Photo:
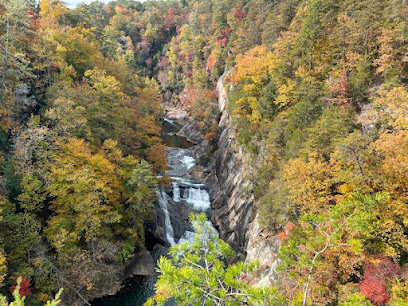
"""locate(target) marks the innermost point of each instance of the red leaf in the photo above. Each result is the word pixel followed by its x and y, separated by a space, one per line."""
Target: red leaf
pixel 239 14
pixel 25 289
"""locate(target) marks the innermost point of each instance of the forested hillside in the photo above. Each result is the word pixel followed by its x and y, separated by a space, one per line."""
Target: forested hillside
pixel 318 99
pixel 317 93
pixel 80 141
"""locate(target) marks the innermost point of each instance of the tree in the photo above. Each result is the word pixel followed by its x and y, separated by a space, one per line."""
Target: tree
pixel 376 275
pixel 24 289
pixel 15 66
pixel 19 299
pixel 139 191
pixel 110 40
pixel 196 273
pixel 310 183
pixel 253 70
pixel 85 187
pixel 325 249
pixel 333 125
pixel 67 118
pixel 392 108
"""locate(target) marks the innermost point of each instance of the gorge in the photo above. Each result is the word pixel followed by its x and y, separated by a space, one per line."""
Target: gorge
pixel 232 213
pixel 184 195
pixel 281 125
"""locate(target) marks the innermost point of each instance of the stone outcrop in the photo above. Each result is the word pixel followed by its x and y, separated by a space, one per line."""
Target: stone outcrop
pixel 234 211
pixel 191 131
pixel 143 264
pixel 264 247
pixel 180 115
pixel 231 206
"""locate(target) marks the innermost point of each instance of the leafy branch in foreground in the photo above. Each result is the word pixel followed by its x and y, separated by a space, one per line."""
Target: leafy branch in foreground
pixel 325 251
pixel 196 273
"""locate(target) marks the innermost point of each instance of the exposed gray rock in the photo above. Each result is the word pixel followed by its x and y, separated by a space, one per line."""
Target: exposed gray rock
pixel 264 247
pixel 158 230
pixel 177 114
pixel 191 131
pixel 234 212
pixel 231 206
pixel 143 264
pixel 201 150
pixel 179 213
pixel 222 94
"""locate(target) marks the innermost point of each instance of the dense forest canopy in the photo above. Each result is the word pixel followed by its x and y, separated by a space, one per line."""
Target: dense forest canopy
pixel 317 93
pixel 80 142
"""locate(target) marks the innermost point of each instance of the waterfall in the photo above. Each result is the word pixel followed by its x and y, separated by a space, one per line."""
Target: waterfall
pixel 176 191
pixel 180 161
pixel 186 191
pixel 189 194
pixel 198 198
pixel 162 198
pixel 187 237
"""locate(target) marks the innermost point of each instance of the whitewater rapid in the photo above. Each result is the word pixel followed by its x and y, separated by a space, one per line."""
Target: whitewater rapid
pixel 185 190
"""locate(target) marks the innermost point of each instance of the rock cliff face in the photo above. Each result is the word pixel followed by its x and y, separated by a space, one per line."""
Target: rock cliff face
pixel 264 247
pixel 234 212
pixel 233 209
pixel 231 206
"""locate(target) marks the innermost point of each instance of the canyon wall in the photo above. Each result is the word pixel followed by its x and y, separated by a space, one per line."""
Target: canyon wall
pixel 234 213
pixel 231 206
pixel 234 210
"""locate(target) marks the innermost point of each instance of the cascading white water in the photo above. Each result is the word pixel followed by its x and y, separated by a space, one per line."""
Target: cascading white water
pixel 186 190
pixel 162 199
pixel 187 182
pixel 176 191
pixel 187 237
pixel 194 193
pixel 180 161
pixel 198 199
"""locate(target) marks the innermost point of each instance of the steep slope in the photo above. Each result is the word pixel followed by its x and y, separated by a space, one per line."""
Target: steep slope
pixel 232 207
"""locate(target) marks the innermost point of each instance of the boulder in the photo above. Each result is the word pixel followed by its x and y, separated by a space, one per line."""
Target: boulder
pixel 143 264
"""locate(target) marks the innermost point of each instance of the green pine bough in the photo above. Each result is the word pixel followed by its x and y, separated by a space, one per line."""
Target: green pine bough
pixel 196 273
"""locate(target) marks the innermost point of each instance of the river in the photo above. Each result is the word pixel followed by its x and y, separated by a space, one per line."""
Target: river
pixel 183 196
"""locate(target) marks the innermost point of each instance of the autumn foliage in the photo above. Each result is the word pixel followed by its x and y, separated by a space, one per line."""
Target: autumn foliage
pixel 376 276
pixel 78 92
pixel 284 235
pixel 25 289
pixel 316 93
pixel 239 14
